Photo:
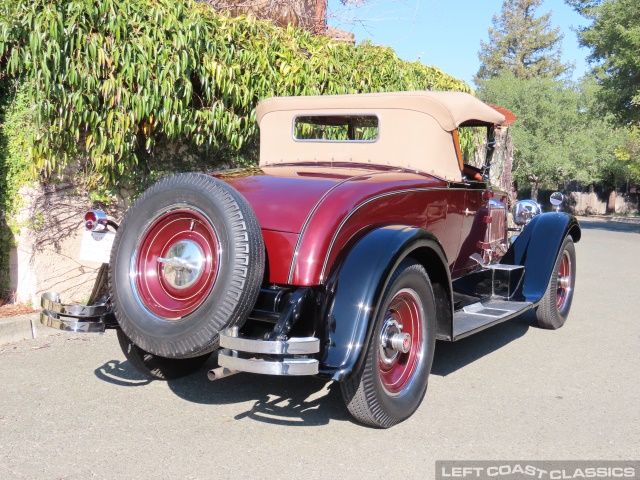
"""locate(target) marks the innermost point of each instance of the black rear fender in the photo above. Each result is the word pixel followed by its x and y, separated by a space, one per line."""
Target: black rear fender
pixel 356 284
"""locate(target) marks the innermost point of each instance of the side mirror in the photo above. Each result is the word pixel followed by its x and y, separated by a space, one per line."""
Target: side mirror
pixel 556 200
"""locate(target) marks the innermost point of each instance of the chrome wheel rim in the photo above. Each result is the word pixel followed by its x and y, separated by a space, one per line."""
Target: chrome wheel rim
pixel 564 281
pixel 175 264
pixel 405 314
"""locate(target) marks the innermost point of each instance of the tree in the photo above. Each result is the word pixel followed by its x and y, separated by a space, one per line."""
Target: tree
pixel 614 39
pixel 522 44
pixel 629 154
pixel 557 136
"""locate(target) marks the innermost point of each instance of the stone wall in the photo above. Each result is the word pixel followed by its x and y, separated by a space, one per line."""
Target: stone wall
pixel 299 13
pixel 583 203
pixel 47 254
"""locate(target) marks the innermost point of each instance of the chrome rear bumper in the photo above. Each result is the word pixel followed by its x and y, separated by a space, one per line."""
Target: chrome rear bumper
pixel 278 357
pixel 75 318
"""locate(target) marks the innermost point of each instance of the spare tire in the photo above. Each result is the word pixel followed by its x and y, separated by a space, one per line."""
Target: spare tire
pixel 187 261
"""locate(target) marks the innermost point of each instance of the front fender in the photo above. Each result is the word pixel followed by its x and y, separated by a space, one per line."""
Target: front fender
pixel 353 293
pixel 537 247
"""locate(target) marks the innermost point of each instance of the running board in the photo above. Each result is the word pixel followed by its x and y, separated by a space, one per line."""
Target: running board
pixel 480 315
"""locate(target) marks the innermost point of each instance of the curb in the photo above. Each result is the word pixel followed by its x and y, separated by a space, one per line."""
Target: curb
pixel 21 327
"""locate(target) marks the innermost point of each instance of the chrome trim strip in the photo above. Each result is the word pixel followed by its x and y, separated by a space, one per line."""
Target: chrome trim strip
pixel 366 202
pixel 51 319
pixel 293 346
pixel 289 366
pixel 50 301
pixel 310 216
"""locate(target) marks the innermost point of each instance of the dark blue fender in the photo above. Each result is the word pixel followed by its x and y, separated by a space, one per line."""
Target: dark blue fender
pixel 537 247
pixel 355 287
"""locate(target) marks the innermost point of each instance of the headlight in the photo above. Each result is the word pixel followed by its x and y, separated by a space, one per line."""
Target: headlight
pixel 524 211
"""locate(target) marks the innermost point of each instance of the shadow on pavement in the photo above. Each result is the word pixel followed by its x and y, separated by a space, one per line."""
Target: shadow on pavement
pixel 451 356
pixel 306 401
pixel 121 374
pixel 295 401
pixel 610 225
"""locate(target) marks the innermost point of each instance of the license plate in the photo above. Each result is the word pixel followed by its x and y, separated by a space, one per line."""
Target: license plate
pixel 96 246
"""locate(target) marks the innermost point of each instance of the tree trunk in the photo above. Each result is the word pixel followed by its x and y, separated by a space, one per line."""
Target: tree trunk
pixel 534 191
pixel 611 204
pixel 320 23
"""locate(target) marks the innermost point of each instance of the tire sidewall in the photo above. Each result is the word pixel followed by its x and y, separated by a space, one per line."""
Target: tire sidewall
pixel 183 337
pixel 548 313
pixel 401 405
pixel 569 247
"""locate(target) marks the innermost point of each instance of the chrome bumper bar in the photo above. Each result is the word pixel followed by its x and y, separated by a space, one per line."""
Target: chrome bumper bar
pixel 278 357
pixel 74 318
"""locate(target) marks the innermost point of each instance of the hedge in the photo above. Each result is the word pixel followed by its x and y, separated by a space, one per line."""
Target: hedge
pixel 110 78
pixel 104 82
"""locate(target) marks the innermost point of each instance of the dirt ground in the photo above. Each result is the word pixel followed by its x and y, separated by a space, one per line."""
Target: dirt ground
pixel 12 310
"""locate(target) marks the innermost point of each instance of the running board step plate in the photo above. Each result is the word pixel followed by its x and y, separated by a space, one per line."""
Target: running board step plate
pixel 480 315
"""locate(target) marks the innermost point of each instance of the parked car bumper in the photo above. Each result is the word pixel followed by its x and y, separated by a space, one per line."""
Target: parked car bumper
pixel 75 318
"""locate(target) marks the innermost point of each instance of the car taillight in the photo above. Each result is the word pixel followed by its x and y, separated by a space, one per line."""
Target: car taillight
pixel 95 221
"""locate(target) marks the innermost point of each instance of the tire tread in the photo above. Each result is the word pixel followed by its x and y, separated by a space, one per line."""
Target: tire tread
pixel 247 271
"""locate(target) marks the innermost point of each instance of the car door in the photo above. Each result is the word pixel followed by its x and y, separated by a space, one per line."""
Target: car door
pixel 473 231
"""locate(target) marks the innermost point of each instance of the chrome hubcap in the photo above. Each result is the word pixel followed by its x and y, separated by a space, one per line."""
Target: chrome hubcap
pixel 183 264
pixel 393 341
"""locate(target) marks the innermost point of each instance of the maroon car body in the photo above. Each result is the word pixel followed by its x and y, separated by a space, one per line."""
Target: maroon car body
pixel 360 239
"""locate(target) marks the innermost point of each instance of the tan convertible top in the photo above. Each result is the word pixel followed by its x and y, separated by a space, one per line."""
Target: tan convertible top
pixel 450 109
pixel 414 129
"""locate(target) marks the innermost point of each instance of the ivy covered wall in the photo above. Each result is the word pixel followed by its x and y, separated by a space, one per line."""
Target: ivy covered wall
pixel 102 88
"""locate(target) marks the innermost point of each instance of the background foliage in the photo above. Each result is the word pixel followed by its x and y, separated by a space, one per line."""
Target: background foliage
pixel 16 123
pixel 523 43
pixel 103 88
pixel 565 131
pixel 109 79
pixel 558 136
pixel 614 40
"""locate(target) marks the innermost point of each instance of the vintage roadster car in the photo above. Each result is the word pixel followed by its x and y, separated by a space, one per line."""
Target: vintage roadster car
pixel 359 240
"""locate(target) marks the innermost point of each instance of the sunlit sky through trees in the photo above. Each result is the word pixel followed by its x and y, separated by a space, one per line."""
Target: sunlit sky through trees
pixel 447 33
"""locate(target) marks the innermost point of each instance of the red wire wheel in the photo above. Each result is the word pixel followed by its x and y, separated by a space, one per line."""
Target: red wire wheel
pixel 187 262
pixel 555 304
pixel 564 281
pixel 404 315
pixel 391 383
pixel 176 264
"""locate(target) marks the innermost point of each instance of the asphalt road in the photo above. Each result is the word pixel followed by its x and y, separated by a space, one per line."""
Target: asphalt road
pixel 71 407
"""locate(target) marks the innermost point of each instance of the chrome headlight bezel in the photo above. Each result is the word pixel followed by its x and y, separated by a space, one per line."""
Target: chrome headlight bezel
pixel 524 211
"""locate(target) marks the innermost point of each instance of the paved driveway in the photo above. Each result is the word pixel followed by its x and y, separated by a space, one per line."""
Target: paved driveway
pixel 72 408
